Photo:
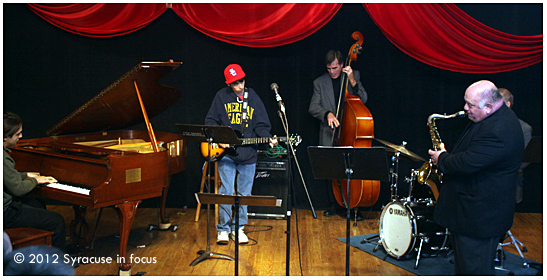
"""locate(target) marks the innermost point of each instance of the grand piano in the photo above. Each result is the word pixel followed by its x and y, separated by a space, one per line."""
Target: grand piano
pixel 99 165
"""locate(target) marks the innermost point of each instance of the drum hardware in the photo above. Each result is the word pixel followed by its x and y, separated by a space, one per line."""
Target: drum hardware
pixel 420 217
pixel 500 253
pixel 427 201
pixel 420 251
pixel 411 181
pixel 394 175
pixel 397 150
pixel 517 242
pixel 426 239
pixel 402 149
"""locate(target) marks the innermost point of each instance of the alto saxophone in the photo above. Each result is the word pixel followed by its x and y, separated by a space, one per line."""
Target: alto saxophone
pixel 427 171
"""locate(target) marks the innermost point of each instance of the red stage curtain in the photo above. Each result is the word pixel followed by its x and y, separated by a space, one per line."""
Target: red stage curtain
pixel 99 20
pixel 257 25
pixel 442 35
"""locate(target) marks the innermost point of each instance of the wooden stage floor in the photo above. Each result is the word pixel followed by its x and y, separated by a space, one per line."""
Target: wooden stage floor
pixel 314 250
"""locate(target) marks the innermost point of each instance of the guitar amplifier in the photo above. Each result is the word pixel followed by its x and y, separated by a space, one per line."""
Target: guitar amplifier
pixel 271 178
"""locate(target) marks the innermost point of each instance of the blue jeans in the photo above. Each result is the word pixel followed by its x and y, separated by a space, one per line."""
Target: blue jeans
pixel 227 170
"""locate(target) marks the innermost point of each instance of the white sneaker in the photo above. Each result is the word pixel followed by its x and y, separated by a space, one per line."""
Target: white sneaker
pixel 242 236
pixel 222 238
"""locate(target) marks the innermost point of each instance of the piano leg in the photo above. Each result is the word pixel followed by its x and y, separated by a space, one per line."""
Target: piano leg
pixel 126 213
pixel 165 222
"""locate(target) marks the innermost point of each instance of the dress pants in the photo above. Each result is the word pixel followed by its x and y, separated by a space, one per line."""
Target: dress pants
pixel 474 256
pixel 33 213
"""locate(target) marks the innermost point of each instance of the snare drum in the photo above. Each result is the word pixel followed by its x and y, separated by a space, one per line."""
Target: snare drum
pixel 403 224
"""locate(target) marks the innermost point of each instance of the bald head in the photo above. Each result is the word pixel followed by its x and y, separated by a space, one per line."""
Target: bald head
pixel 485 91
pixel 482 98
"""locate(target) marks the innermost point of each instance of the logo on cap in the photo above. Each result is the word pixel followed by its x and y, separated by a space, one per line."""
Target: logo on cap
pixel 233 72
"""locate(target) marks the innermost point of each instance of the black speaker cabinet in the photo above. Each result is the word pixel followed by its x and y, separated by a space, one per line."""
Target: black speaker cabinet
pixel 271 178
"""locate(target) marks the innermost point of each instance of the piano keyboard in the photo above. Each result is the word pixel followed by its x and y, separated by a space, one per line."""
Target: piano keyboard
pixel 68 188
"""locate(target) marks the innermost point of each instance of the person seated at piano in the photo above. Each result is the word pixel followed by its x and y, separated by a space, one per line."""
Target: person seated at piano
pixel 227 109
pixel 20 210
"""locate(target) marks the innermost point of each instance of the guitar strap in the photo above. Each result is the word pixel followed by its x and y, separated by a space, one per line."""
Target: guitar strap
pixel 244 112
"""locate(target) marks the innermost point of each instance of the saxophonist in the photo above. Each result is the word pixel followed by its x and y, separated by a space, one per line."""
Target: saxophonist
pixel 477 200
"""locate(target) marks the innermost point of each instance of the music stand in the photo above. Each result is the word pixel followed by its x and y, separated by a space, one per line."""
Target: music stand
pixel 237 200
pixel 204 133
pixel 209 134
pixel 348 163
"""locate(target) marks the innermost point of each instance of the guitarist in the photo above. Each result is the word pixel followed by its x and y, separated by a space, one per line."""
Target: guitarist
pixel 242 109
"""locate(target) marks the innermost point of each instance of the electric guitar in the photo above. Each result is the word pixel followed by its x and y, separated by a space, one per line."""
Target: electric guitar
pixel 219 152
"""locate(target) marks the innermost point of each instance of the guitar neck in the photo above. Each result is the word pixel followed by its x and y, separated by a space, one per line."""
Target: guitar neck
pixel 260 140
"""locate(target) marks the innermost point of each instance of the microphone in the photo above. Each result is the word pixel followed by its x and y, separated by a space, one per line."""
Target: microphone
pixel 275 87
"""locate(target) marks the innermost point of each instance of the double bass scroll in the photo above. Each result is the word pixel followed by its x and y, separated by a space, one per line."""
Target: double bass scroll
pixel 356 130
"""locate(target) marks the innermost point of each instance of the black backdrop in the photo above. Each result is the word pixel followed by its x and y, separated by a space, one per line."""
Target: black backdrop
pixel 49 72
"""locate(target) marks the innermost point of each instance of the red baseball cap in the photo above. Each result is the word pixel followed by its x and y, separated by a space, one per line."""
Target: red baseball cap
pixel 233 73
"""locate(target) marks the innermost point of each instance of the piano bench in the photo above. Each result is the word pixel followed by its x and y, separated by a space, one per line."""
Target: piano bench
pixel 25 236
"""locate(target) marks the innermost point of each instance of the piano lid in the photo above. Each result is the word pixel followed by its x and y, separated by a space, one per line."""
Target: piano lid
pixel 117 106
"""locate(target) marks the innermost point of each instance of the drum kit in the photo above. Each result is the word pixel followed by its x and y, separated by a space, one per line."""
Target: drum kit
pixel 406 223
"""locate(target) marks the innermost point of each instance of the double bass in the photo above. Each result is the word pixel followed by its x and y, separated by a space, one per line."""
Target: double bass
pixel 356 129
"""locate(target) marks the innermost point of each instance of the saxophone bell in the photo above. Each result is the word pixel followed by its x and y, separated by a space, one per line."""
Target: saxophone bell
pixel 424 172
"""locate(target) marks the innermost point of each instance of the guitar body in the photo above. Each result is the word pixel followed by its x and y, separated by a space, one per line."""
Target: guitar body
pixel 216 151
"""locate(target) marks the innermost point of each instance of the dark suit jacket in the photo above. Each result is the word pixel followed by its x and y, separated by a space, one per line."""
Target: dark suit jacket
pixel 477 196
pixel 323 101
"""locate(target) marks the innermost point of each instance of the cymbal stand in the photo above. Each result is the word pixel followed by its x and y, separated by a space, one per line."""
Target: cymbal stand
pixel 207 254
pixel 394 175
pixel 410 181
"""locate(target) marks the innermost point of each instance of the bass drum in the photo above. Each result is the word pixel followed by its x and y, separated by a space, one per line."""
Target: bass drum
pixel 402 227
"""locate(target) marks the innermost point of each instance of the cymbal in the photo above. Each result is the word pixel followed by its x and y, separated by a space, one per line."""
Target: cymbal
pixel 402 149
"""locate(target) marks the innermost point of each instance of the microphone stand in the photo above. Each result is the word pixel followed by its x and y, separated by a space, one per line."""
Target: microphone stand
pixel 289 195
pixel 285 123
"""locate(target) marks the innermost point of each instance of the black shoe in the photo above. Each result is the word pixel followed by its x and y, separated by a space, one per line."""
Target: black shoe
pixel 329 212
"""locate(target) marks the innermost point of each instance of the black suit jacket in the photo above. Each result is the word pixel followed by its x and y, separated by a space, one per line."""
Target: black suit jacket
pixel 477 196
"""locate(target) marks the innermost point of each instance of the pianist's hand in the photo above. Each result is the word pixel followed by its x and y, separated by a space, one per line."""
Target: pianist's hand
pixel 273 141
pixel 33 174
pixel 45 180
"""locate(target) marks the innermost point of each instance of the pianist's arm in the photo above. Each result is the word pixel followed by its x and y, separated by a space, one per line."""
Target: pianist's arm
pixel 19 183
pixel 15 182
